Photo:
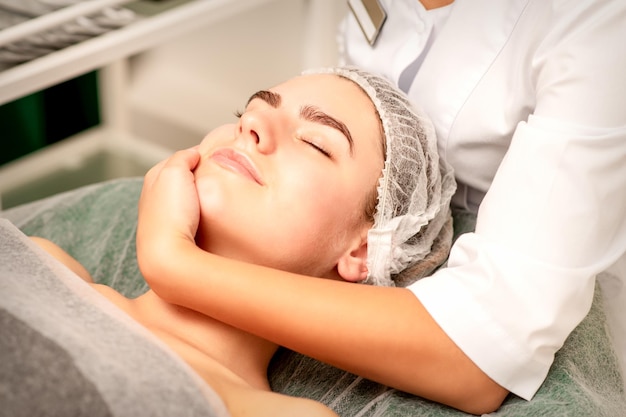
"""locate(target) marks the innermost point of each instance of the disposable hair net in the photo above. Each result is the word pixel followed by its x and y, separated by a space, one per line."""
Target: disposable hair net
pixel 412 231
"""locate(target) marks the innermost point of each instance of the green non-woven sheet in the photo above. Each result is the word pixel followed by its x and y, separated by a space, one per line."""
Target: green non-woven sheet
pixel 96 224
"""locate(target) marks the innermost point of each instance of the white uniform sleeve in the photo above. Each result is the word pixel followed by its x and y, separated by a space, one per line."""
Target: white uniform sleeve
pixel 552 220
pixel 554 216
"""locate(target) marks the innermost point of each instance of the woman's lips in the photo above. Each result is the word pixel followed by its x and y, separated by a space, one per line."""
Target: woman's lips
pixel 238 163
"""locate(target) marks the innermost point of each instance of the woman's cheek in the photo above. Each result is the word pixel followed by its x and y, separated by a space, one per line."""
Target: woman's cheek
pixel 219 136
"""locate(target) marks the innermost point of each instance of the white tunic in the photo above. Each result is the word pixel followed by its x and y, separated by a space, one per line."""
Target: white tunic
pixel 528 98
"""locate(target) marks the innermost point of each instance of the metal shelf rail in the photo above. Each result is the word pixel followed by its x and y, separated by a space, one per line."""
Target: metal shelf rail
pixel 146 32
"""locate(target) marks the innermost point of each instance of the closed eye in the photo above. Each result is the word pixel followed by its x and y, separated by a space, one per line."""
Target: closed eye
pixel 317 147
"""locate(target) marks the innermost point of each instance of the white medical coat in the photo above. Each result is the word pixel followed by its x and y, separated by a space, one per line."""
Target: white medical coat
pixel 528 98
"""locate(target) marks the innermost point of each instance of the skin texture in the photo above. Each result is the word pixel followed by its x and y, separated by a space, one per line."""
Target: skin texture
pixel 292 177
pixel 310 184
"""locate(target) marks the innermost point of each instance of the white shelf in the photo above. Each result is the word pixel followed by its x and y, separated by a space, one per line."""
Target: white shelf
pixel 94 53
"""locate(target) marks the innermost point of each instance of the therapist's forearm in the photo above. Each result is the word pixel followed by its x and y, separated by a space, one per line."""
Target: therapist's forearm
pixel 383 334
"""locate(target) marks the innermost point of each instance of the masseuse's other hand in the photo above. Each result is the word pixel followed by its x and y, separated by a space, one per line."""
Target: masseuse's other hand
pixel 168 209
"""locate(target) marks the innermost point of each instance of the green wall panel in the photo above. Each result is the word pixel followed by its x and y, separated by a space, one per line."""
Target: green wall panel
pixel 45 117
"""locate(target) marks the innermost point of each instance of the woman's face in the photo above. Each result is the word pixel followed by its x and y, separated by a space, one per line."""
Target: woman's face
pixel 286 186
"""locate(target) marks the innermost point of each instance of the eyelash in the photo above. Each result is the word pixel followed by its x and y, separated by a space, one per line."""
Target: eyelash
pixel 316 147
pixel 312 144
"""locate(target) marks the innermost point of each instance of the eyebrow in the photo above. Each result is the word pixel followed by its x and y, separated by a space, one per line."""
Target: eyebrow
pixel 271 98
pixel 308 112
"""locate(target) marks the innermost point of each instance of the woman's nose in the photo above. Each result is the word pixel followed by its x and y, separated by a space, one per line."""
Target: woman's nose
pixel 259 128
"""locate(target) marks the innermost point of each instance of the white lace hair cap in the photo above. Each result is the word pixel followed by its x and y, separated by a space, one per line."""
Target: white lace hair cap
pixel 412 231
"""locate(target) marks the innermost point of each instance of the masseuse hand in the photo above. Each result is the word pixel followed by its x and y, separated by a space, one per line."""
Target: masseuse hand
pixel 168 211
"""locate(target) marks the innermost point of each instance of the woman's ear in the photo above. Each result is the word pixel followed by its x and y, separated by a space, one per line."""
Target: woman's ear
pixel 352 266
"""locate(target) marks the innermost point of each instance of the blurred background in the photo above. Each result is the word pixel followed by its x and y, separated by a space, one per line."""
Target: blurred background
pixel 112 104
